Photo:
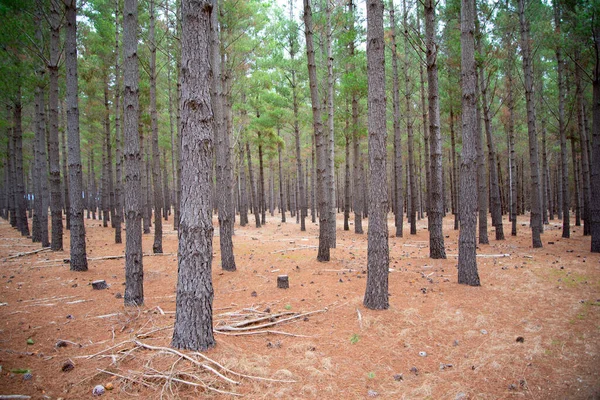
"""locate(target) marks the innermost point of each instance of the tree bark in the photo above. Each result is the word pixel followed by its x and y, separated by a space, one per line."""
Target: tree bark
pixel 78 246
pixel 467 259
pixel 412 217
pixel 331 192
pixel 134 268
pixel 494 190
pixel 566 197
pixel 320 144
pixel 583 140
pixel 156 178
pixel 397 187
pixel 455 200
pixel 531 128
pixel 193 319
pixel 376 293
pixel 436 199
pixel 223 165
pixel 482 191
pixel 118 217
pixel 53 153
pixel 595 165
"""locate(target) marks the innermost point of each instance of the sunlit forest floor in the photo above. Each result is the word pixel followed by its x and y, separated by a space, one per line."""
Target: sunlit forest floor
pixel 532 330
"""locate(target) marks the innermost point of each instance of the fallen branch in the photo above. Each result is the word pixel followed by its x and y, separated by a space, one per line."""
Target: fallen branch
pixel 260 333
pixel 190 359
pixel 14 396
pixel 294 249
pixel 202 385
pixel 124 377
pixel 196 362
pixel 27 253
pixel 123 256
pixel 248 328
pixel 484 255
pixel 252 321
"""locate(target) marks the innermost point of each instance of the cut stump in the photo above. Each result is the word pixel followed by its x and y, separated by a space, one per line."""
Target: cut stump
pixel 283 282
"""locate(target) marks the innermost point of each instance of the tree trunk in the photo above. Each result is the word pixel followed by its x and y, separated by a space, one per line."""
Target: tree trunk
pixel 320 144
pixel 455 177
pixel 134 268
pixel 20 199
pixel 331 192
pixel 482 192
pixel 595 165
pixel 243 188
pixel 347 177
pixel 467 259
pixel 436 200
pixel 281 197
pixel 193 320
pixel 166 196
pixel 78 246
pixel 261 173
pixel 223 156
pixel 531 128
pixel 253 188
pixel 585 161
pixel 426 133
pixel 544 175
pixel 376 293
pixel 293 43
pixel 107 192
pixel 65 170
pixel 397 187
pixel 411 215
pixel 53 153
pixel 494 190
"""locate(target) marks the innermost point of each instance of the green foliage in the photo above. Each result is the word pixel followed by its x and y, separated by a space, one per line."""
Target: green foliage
pixel 354 338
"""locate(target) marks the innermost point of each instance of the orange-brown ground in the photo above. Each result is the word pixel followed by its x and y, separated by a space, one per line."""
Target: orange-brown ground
pixel 550 297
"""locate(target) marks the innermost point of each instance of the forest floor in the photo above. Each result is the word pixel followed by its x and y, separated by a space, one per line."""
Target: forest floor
pixel 532 330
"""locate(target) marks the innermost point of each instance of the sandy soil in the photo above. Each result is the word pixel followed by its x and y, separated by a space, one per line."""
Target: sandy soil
pixel 438 340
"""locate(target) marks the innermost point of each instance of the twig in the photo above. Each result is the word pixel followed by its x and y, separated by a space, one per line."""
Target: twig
pixel 124 377
pixel 190 359
pixel 105 350
pixel 359 318
pixel 27 253
pixel 190 383
pixel 294 249
pixel 14 396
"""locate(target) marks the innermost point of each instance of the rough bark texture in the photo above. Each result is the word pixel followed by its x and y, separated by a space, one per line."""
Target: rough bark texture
pixel 412 189
pixel 134 269
pixel 494 190
pixel 376 293
pixel 583 140
pixel 531 128
pixel 436 199
pixel 41 168
pixel 357 195
pixel 455 178
pixel 331 192
pixel 53 153
pixel 398 171
pixel 253 193
pixel 243 190
pixel 566 197
pixel 482 191
pixel 320 144
pixel 193 328
pixel 512 161
pixel 65 170
pixel 467 260
pixel 118 217
pixel 281 194
pixel 223 165
pixel 78 249
pixel 595 170
pixel 293 43
pixel 156 178
pixel 20 200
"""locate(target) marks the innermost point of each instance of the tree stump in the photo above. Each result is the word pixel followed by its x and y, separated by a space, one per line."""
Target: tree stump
pixel 99 284
pixel 283 282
